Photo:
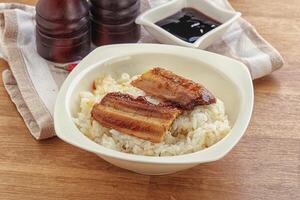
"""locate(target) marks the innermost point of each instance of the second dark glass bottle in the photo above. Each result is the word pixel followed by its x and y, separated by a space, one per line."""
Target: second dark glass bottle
pixel 113 21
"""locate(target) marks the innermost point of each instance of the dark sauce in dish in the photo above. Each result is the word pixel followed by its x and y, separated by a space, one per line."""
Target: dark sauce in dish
pixel 188 24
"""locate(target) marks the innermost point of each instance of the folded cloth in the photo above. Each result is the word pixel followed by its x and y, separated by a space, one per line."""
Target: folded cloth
pixel 33 83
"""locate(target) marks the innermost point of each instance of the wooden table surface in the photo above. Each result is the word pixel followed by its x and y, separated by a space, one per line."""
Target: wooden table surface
pixel 264 165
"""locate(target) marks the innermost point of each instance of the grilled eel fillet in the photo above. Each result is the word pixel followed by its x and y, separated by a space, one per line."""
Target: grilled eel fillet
pixel 173 89
pixel 134 116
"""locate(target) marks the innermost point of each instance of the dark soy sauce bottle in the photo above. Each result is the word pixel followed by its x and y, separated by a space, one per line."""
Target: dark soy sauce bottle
pixel 113 21
pixel 62 30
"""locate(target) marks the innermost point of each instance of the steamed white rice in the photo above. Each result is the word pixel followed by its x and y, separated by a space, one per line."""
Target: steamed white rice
pixel 192 131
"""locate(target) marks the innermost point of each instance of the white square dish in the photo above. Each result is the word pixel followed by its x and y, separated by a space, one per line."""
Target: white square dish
pixel 228 79
pixel 150 17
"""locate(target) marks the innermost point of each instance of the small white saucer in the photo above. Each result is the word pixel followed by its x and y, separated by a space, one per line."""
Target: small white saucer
pixel 150 17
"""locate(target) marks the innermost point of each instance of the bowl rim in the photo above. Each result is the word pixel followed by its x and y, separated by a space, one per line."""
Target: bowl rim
pixel 144 21
pixel 66 129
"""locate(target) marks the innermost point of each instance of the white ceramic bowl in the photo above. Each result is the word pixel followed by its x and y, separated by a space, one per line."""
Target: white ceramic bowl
pixel 150 17
pixel 228 79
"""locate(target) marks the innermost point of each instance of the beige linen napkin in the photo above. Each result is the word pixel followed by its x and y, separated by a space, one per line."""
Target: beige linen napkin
pixel 33 83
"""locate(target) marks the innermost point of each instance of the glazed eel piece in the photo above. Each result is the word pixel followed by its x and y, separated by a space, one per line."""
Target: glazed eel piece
pixel 134 116
pixel 173 89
